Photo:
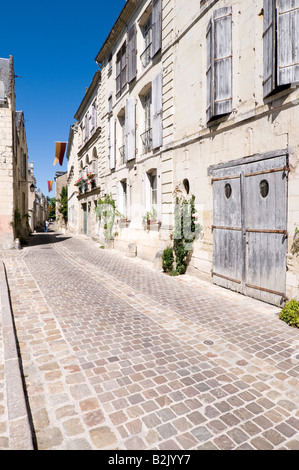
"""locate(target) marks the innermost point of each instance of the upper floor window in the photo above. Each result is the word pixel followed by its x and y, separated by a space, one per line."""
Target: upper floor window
pixel 219 63
pixel 147 41
pixel 281 51
pixel 94 116
pixel 146 136
pixel 121 70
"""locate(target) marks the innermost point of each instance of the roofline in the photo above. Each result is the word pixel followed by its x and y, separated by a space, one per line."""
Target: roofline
pixel 94 83
pixel 116 29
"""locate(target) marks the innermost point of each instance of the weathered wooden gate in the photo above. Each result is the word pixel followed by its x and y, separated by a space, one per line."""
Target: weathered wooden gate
pixel 249 226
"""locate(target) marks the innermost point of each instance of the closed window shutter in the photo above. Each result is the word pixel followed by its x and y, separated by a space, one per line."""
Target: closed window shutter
pixel 132 53
pixel 219 63
pixel 130 129
pixel 223 61
pixel 269 47
pixel 112 142
pixel 157 110
pixel 156 26
pixel 210 67
pixel 287 41
pixel 118 70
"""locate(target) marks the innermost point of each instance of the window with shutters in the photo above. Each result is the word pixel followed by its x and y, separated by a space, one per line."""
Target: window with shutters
pixel 121 70
pixel 280 42
pixel 146 136
pixel 93 117
pixel 147 42
pixel 219 63
pixel 121 139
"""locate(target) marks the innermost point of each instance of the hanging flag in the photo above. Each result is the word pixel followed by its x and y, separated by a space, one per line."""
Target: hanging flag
pixel 50 183
pixel 59 153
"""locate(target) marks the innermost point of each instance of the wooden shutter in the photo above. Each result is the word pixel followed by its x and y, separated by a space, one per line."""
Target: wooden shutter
pixel 112 142
pixel 210 67
pixel 118 71
pixel 130 129
pixel 223 61
pixel 219 63
pixel 287 41
pixel 132 53
pixel 156 26
pixel 269 44
pixel 157 110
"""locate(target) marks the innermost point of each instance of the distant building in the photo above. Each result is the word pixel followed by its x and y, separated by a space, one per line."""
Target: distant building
pixel 14 185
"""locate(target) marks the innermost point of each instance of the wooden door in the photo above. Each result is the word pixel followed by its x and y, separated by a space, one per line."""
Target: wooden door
pixel 249 228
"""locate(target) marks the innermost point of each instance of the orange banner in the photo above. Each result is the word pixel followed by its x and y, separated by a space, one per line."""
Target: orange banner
pixel 50 183
pixel 59 153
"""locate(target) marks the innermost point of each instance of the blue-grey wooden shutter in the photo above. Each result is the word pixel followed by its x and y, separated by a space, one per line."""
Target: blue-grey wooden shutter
pixel 132 53
pixel 130 129
pixel 287 41
pixel 157 110
pixel 156 26
pixel 269 45
pixel 223 61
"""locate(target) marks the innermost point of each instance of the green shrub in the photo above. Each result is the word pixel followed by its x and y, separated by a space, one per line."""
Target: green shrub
pixel 290 313
pixel 167 260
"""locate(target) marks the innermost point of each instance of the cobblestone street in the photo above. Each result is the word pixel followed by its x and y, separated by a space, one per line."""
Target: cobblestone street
pixel 117 355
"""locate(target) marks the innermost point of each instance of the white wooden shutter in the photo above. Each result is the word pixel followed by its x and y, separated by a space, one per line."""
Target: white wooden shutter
pixel 269 47
pixel 210 68
pixel 132 62
pixel 223 61
pixel 157 110
pixel 112 142
pixel 130 129
pixel 156 26
pixel 287 41
pixel 219 63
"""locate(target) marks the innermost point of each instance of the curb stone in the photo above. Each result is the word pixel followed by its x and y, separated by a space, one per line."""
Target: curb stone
pixel 20 435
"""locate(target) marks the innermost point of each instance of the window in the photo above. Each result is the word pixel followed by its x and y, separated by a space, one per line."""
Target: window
pixel 123 198
pixel 122 124
pixel 219 63
pixel 94 116
pixel 147 40
pixel 146 136
pixel 86 122
pixel 130 129
pixel 121 70
pixel 281 52
pixel 153 188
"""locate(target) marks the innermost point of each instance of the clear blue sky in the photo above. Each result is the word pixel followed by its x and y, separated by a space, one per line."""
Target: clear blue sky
pixel 54 45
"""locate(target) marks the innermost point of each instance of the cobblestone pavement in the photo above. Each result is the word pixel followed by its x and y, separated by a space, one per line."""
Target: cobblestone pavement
pixel 117 355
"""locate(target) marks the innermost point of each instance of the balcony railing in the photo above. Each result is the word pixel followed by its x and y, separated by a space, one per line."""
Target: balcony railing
pixel 147 140
pixel 146 56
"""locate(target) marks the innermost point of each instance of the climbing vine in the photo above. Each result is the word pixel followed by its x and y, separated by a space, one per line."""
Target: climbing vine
pixel 106 211
pixel 184 233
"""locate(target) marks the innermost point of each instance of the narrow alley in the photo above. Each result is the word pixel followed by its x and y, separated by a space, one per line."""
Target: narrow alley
pixel 117 355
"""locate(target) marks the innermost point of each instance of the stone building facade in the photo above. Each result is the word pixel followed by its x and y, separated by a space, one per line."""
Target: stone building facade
pixel 201 98
pixel 14 184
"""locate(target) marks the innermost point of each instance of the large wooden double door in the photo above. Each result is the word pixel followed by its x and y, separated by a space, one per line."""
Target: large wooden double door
pixel 249 227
